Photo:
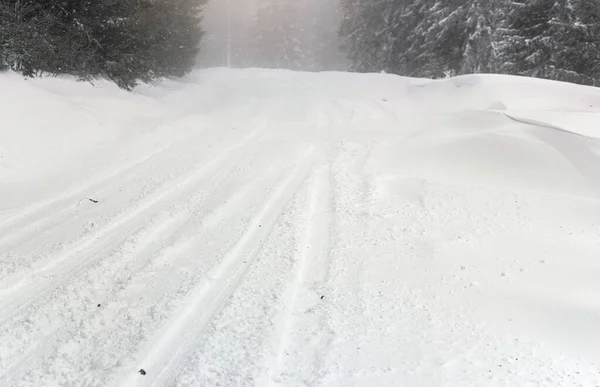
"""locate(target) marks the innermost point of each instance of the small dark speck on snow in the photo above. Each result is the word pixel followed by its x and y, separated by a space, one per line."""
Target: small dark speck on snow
pixel 142 372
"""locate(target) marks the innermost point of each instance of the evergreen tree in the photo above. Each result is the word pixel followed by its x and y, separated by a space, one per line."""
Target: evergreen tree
pixel 554 39
pixel 481 23
pixel 365 28
pixel 526 50
pixel 125 41
pixel 442 38
pixel 417 38
pixel 586 60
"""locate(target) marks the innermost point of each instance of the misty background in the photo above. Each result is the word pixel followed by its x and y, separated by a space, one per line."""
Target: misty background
pixel 296 35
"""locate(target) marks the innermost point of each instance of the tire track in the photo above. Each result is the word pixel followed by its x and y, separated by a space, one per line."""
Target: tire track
pixel 28 223
pixel 300 331
pixel 18 290
pixel 346 271
pixel 44 346
pixel 165 351
pixel 169 236
pixel 179 232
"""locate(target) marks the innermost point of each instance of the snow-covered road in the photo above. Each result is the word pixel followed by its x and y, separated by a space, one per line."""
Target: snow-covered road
pixel 271 228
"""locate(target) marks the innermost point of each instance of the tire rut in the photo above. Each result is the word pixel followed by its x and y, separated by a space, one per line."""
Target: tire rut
pixel 166 350
pixel 18 291
pixel 301 321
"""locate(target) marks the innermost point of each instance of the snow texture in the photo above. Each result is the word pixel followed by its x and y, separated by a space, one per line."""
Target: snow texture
pixel 278 228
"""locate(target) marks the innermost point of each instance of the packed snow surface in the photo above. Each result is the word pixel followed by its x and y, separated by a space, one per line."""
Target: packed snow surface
pixel 275 228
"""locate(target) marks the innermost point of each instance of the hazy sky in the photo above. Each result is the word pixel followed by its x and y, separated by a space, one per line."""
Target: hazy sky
pixel 316 23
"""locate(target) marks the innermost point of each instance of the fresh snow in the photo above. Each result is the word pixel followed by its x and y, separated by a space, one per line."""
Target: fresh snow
pixel 276 228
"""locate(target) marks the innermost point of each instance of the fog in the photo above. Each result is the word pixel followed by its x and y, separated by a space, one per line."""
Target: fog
pixel 297 35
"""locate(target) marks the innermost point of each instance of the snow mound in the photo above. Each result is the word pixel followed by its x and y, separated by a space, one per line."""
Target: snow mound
pixel 271 227
pixel 59 133
pixel 516 93
pixel 489 149
pixel 480 130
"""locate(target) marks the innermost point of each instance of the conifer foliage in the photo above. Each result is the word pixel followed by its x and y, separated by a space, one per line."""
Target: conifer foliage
pixel 553 39
pixel 125 41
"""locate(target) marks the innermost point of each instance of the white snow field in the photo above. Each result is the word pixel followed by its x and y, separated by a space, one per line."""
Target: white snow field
pixel 275 228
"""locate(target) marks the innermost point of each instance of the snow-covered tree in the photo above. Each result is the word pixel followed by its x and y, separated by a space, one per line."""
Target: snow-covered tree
pixel 482 18
pixel 553 39
pixel 366 32
pixel 440 35
pixel 125 41
pixel 411 37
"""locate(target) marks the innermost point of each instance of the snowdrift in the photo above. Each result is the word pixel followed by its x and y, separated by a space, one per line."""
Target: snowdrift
pixel 485 129
pixel 262 227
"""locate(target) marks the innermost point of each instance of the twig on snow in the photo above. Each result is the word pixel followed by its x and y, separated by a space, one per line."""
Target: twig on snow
pixel 90 199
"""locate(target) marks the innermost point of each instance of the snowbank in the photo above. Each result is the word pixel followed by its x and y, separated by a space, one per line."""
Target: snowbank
pixel 263 227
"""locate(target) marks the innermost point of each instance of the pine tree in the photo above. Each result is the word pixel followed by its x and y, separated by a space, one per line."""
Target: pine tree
pixel 443 38
pixel 587 49
pixel 481 23
pixel 398 22
pixel 365 28
pixel 553 39
pixel 410 39
pixel 417 38
pixel 125 41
